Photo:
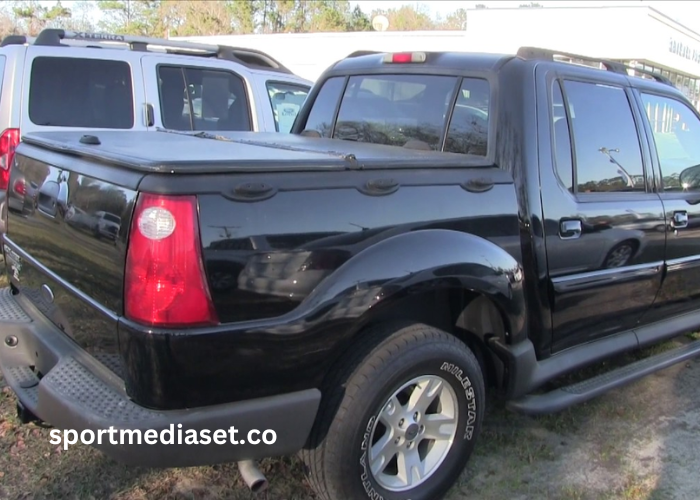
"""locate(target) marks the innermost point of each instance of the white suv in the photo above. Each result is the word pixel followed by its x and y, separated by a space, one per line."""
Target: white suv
pixel 73 80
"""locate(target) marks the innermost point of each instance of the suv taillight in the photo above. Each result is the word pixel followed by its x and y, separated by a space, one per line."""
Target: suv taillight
pixel 9 140
pixel 165 284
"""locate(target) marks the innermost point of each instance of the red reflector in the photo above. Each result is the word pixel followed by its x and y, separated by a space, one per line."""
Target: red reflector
pixel 165 284
pixel 9 140
pixel 19 187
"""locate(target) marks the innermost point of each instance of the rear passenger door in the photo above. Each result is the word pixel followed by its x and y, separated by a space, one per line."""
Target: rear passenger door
pixel 183 94
pixel 674 129
pixel 81 88
pixel 604 223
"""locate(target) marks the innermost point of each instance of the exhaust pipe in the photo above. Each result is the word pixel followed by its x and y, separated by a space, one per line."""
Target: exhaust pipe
pixel 252 476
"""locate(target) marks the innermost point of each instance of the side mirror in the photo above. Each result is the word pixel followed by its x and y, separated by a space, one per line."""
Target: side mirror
pixel 690 178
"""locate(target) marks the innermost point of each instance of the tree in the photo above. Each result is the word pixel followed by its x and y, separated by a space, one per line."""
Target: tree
pixel 359 21
pixel 244 14
pixel 407 18
pixel 190 18
pixel 133 17
pixel 455 21
pixel 32 17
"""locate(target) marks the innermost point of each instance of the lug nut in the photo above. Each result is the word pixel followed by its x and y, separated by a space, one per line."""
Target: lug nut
pixel 11 341
pixel 401 422
pixel 416 416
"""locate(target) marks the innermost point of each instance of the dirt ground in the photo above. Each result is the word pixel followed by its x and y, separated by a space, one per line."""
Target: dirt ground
pixel 639 442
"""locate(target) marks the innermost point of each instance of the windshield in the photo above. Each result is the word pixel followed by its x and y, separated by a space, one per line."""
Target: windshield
pixel 415 111
pixel 112 218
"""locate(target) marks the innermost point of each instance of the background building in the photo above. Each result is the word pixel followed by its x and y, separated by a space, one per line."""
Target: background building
pixel 640 36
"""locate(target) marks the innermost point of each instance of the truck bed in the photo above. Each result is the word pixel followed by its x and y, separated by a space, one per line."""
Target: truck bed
pixel 182 153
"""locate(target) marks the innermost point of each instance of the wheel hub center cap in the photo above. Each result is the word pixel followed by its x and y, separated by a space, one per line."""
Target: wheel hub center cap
pixel 412 432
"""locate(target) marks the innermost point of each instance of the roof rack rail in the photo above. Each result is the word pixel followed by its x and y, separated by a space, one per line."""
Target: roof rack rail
pixel 248 57
pixel 613 66
pixel 13 40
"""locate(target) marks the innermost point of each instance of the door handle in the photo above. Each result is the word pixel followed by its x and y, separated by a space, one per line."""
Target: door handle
pixel 570 229
pixel 680 219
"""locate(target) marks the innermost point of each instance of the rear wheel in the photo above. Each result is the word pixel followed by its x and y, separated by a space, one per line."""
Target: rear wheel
pixel 399 418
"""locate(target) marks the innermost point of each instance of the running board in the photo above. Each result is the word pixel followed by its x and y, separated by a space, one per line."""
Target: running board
pixel 565 397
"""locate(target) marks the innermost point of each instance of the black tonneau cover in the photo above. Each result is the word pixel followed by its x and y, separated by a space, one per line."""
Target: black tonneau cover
pixel 201 152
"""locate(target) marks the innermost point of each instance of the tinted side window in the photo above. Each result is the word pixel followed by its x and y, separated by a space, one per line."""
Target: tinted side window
pixel 676 132
pixel 72 92
pixel 202 99
pixel 397 110
pixel 562 139
pixel 607 149
pixel 469 125
pixel 323 108
pixel 286 100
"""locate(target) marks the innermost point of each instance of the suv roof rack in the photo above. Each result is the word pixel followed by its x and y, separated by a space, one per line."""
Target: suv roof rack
pixel 613 66
pixel 53 37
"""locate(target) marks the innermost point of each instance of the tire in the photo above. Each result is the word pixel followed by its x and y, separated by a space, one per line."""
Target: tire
pixel 354 416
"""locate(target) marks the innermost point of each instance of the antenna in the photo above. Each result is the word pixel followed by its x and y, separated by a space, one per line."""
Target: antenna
pixel 380 23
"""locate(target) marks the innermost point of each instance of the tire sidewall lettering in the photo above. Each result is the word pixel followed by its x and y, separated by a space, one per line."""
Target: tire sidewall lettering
pixel 460 375
pixel 367 485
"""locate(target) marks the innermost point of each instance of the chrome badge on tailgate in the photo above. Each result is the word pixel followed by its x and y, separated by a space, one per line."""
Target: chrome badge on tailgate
pixel 13 261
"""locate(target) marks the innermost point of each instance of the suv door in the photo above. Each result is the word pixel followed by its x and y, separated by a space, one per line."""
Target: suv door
pixel 674 129
pixel 185 94
pixel 604 224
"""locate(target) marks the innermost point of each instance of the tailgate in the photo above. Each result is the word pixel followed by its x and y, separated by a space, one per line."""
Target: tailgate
pixel 66 240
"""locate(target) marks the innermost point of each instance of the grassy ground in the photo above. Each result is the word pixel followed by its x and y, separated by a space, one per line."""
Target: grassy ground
pixel 635 443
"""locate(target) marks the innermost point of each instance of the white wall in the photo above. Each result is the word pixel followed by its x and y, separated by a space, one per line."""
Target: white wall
pixel 309 54
pixel 608 32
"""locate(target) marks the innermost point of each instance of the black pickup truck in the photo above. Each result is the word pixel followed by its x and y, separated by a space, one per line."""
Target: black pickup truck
pixel 437 224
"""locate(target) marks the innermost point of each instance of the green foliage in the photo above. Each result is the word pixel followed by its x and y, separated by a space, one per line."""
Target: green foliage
pixel 165 18
pixel 31 17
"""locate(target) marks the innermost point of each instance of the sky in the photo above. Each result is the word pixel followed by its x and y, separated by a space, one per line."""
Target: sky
pixel 686 13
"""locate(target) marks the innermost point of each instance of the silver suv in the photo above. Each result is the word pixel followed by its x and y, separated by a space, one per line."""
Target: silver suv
pixel 74 80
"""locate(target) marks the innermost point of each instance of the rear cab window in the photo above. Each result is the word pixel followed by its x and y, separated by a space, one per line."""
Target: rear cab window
pixel 81 92
pixel 286 100
pixel 196 98
pixel 428 112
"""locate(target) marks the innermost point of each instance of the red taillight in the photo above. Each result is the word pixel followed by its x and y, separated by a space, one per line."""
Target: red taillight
pixel 9 140
pixel 405 57
pixel 165 284
pixel 19 187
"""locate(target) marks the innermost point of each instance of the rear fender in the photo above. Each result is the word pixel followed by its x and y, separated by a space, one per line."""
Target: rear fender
pixel 422 261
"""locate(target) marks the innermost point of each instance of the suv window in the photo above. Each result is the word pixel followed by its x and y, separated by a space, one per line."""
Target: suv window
pixel 396 110
pixel 202 99
pixel 676 130
pixel 606 145
pixel 74 92
pixel 286 100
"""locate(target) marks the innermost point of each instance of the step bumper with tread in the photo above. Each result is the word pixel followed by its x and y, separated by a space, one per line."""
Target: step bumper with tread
pixel 67 388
